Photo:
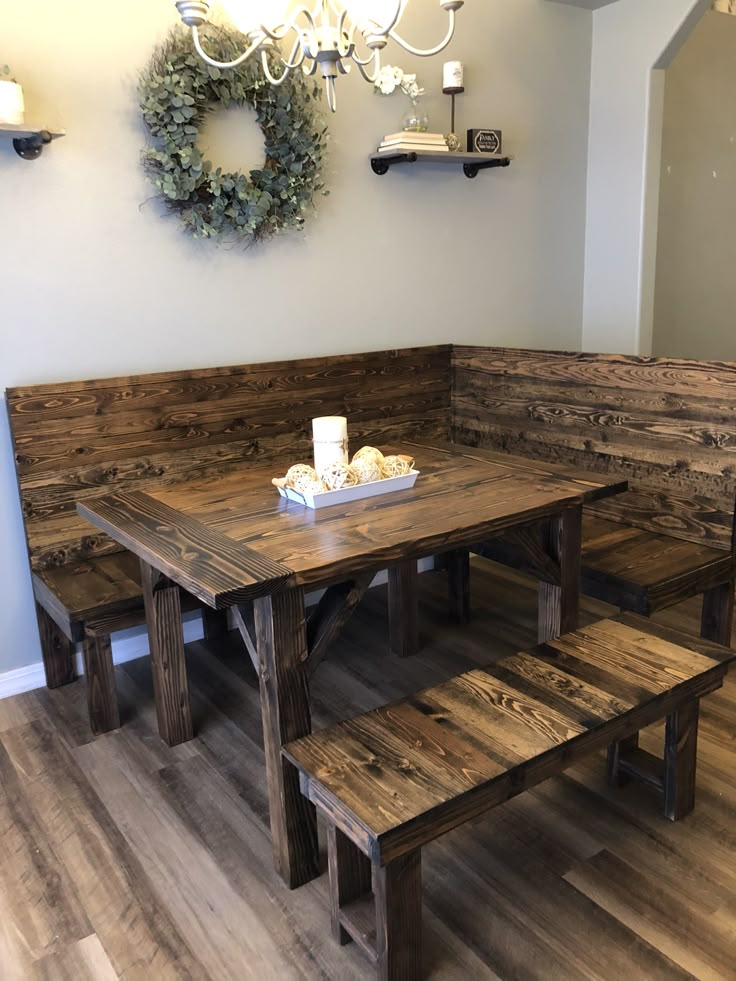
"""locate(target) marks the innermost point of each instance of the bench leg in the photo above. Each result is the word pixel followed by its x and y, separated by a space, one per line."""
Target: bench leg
pixel 559 605
pixel 616 753
pixel 57 651
pixel 397 889
pixel 170 687
pixel 102 696
pixel 717 617
pixel 403 608
pixel 680 757
pixel 350 878
pixel 457 564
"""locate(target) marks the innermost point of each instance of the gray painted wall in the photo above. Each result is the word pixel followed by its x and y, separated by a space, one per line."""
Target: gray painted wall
pixel 95 282
pixel 695 291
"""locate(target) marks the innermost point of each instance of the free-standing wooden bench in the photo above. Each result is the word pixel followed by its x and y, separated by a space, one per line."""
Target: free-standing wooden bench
pixel 666 425
pixel 391 781
pixel 79 440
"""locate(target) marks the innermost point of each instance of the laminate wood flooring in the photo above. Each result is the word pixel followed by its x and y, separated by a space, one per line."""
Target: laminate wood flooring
pixel 122 858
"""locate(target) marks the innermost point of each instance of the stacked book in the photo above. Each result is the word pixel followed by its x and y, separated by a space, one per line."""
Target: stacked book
pixel 408 142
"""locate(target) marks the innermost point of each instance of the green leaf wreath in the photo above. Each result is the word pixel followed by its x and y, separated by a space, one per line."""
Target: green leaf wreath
pixel 178 89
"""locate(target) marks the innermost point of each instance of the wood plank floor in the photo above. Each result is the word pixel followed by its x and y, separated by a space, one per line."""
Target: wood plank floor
pixel 122 858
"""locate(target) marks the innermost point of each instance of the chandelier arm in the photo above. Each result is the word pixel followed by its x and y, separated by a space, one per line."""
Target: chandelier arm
pixel 256 43
pixel 291 62
pixel 376 59
pixel 279 32
pixel 431 51
pixel 274 80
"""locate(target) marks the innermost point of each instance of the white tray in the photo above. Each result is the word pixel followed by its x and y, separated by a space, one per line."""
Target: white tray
pixel 347 494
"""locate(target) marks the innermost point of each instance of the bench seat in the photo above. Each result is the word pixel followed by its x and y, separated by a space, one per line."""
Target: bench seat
pixel 644 572
pixel 392 780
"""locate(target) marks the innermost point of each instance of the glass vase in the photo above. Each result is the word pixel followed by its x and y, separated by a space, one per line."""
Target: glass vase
pixel 416 120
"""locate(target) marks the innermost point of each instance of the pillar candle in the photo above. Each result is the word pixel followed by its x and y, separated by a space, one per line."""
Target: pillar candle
pixel 452 75
pixel 330 436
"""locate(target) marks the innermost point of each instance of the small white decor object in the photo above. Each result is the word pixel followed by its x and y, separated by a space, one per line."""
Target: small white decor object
pixel 346 495
pixel 11 99
pixel 330 436
pixel 452 77
pixel 366 469
pixel 369 453
pixel 397 466
pixel 300 477
pixel 338 475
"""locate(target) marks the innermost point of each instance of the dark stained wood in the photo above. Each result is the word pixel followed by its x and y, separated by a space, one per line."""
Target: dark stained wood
pixel 207 564
pixel 559 604
pixel 680 760
pixel 244 617
pixel 330 615
pixel 350 879
pixel 457 564
pixel 78 440
pixel 57 651
pixel 716 622
pixel 148 836
pixel 163 618
pixel 391 791
pixel 102 697
pixel 616 753
pixel 214 623
pixel 398 892
pixel 282 652
pixel 664 424
pixel 403 611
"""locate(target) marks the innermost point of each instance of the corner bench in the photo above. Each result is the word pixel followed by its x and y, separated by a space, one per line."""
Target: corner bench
pixel 78 440
pixel 392 780
pixel 666 425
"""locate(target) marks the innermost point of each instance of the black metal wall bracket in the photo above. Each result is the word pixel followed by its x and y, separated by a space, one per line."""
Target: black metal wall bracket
pixel 31 147
pixel 472 163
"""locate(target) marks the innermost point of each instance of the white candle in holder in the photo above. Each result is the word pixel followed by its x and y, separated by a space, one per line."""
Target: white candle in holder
pixel 330 436
pixel 452 76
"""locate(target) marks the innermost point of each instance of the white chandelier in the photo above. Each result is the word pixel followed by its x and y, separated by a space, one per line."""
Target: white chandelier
pixel 325 36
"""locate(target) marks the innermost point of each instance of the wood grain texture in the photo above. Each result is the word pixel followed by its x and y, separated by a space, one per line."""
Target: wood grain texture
pixel 78 440
pixel 457 565
pixel 99 676
pixel 680 760
pixel 166 643
pixel 716 621
pixel 350 878
pixel 57 651
pixel 398 893
pixel 282 651
pixel 666 425
pixel 206 563
pixel 403 608
pixel 559 603
pixel 391 792
pixel 168 854
pixel 335 607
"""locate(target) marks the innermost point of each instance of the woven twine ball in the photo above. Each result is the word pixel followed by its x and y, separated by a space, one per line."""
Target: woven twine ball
pixel 396 466
pixel 369 453
pixel 366 469
pixel 337 476
pixel 301 475
pixel 315 486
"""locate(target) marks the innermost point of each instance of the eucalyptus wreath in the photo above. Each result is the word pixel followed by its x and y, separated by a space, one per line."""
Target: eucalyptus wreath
pixel 177 91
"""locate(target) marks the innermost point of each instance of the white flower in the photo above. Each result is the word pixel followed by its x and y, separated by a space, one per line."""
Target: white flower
pixel 392 77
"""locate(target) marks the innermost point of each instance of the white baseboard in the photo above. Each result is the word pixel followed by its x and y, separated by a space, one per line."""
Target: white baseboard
pixel 131 644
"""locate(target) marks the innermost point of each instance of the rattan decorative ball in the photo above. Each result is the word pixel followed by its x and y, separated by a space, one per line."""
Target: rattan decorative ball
pixel 338 475
pixel 315 486
pixel 369 453
pixel 366 469
pixel 396 466
pixel 300 475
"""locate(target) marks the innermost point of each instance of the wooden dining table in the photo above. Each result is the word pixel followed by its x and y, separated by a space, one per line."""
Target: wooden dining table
pixel 232 542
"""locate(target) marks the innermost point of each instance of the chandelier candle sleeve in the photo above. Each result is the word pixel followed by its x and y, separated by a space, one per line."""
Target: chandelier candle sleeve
pixel 330 436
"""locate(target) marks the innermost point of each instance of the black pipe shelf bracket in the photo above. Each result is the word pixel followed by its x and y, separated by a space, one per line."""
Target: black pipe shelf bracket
pixel 472 163
pixel 29 142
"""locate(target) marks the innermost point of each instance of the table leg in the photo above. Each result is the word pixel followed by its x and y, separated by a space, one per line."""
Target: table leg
pixel 559 606
pixel 282 653
pixel 170 688
pixel 403 608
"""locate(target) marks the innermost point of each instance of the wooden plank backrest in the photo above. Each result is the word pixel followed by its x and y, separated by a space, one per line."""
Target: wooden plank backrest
pixel 667 425
pixel 79 440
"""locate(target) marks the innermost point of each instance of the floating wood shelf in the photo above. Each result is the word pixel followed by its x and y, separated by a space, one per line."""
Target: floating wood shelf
pixel 29 141
pixel 472 163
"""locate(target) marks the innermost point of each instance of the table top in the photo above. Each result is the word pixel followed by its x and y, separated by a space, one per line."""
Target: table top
pixel 233 538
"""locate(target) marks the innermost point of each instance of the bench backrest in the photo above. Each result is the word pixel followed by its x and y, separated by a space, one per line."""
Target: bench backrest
pixel 667 425
pixel 79 439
